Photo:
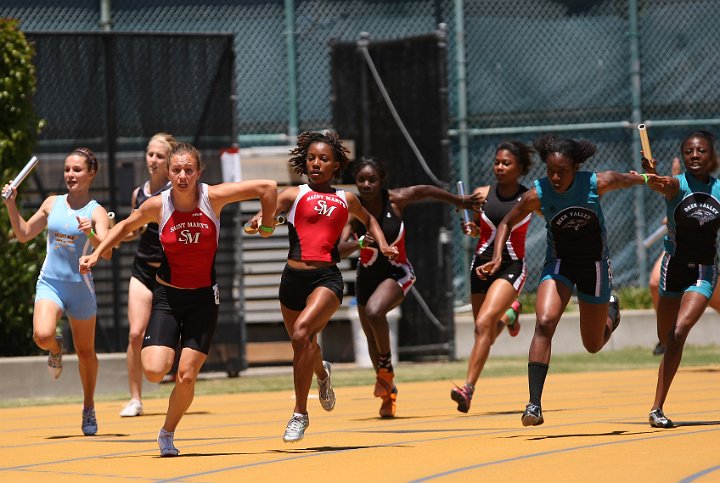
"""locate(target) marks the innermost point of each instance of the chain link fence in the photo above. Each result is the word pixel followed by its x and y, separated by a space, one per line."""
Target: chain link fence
pixel 564 66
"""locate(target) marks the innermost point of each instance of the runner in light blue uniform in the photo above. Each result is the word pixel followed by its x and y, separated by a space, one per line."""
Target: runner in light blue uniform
pixel 577 251
pixel 688 272
pixel 76 223
pixel 576 257
pixel 60 280
pixel 691 242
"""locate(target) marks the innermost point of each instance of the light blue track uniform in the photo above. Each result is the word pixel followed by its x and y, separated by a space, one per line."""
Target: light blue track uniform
pixel 577 251
pixel 60 279
pixel 689 263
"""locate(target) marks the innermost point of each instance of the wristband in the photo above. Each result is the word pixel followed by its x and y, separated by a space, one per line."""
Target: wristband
pixel 266 229
pixel 644 177
pixel 361 242
pixel 92 233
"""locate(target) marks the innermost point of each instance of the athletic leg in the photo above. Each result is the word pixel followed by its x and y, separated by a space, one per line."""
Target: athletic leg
pixel 183 393
pixel 488 310
pixel 307 356
pixel 673 335
pixel 552 298
pixel 46 314
pixel 139 307
pixel 83 334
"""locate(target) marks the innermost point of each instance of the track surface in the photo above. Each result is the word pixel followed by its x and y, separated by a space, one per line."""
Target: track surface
pixel 595 430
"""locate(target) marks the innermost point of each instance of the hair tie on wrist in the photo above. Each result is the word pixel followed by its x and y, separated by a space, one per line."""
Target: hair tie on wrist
pixel 266 229
pixel 92 233
pixel 361 242
pixel 645 177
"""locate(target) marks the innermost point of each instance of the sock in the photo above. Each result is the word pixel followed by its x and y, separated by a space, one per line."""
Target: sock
pixel 385 362
pixel 471 387
pixel 512 316
pixel 166 433
pixel 537 371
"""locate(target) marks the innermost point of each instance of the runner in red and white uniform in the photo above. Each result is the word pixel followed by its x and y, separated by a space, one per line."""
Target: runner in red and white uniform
pixel 185 298
pixel 311 288
pixel 382 284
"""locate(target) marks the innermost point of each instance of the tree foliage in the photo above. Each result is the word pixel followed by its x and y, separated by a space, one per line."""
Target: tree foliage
pixel 19 127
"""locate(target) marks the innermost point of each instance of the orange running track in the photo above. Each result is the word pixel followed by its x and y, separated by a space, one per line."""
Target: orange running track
pixel 595 430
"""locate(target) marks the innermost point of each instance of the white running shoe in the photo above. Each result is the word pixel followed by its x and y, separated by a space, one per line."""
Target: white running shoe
pixel 55 363
pixel 295 430
pixel 165 440
pixel 325 390
pixel 131 409
pixel 89 422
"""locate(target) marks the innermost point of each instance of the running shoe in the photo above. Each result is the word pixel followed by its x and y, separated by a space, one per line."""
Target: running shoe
pixel 384 383
pixel 462 396
pixel 55 363
pixel 389 404
pixel 532 415
pixel 514 328
pixel 295 430
pixel 89 422
pixel 325 390
pixel 659 420
pixel 166 442
pixel 614 311
pixel 659 349
pixel 131 409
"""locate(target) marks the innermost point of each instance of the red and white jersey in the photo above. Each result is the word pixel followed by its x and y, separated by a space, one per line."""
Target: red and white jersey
pixel 189 241
pixel 315 223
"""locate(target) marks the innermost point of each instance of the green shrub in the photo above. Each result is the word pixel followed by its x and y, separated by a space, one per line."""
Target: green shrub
pixel 631 298
pixel 19 127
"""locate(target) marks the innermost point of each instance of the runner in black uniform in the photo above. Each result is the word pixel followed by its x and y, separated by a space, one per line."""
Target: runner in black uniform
pixel 493 299
pixel 381 283
pixel 145 265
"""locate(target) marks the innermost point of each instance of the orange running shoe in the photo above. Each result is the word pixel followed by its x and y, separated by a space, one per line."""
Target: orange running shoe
pixel 384 383
pixel 389 404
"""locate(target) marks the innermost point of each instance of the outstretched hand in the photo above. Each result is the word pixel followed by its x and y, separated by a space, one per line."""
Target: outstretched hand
pixel 648 165
pixel 472 202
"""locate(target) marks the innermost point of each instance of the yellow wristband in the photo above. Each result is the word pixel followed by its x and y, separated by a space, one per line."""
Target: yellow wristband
pixel 645 177
pixel 361 242
pixel 266 229
pixel 92 233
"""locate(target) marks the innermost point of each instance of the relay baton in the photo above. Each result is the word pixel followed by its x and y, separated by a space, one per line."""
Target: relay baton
pixel 655 236
pixel 461 192
pixel 645 141
pixel 280 219
pixel 111 217
pixel 20 177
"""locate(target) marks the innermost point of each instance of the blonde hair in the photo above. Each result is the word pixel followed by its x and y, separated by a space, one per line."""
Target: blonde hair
pixel 165 138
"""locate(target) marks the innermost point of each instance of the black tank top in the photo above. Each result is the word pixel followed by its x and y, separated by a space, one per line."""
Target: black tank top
pixel 394 232
pixel 496 207
pixel 149 249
